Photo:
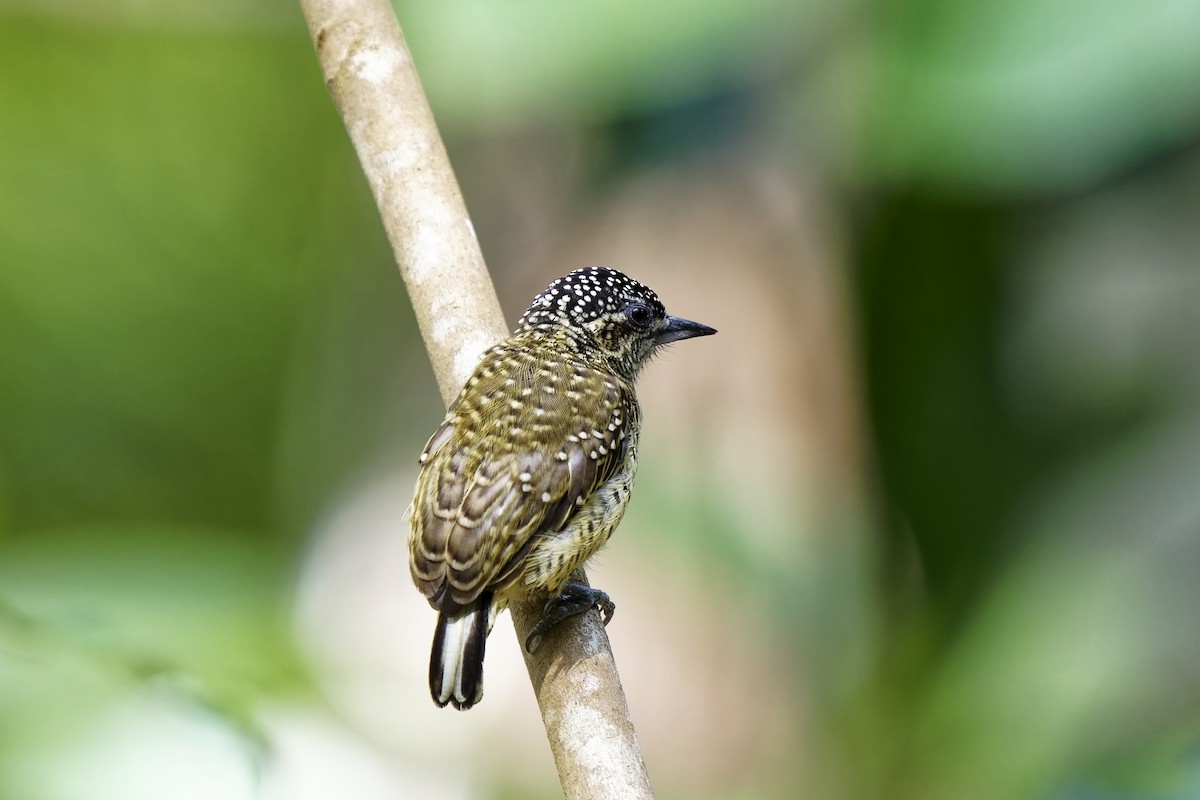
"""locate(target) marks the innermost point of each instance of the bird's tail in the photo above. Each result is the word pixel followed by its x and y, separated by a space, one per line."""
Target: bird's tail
pixel 456 663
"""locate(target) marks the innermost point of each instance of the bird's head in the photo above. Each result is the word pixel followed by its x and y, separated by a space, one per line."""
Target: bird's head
pixel 608 317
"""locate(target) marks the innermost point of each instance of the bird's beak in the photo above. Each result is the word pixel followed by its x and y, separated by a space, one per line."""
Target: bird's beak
pixel 677 328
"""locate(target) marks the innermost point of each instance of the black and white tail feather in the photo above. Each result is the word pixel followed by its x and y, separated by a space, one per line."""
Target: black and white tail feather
pixel 456 661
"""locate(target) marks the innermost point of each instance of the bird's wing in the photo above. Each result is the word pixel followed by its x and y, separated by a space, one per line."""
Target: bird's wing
pixel 483 497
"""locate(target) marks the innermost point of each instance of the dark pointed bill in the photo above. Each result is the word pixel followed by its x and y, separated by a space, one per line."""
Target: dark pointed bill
pixel 678 328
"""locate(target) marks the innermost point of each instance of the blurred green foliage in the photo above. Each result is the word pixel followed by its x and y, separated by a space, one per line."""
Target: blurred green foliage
pixel 203 341
pixel 153 271
pixel 173 202
pixel 1010 97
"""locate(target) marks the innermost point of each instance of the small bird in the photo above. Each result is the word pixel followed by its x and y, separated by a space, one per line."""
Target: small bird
pixel 530 471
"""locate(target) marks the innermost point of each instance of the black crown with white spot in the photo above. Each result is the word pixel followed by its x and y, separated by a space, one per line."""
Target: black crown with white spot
pixel 585 295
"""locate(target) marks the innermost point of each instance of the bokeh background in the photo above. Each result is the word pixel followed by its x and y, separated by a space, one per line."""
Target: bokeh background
pixel 923 521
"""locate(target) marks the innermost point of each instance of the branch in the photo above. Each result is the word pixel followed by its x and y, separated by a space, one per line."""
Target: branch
pixel 370 74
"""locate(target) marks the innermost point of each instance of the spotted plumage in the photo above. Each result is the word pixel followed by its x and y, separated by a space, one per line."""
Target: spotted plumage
pixel 530 471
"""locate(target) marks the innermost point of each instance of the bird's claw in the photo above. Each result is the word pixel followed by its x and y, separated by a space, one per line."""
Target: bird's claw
pixel 574 599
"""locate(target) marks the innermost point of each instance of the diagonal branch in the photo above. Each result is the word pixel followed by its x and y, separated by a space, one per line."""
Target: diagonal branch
pixel 370 74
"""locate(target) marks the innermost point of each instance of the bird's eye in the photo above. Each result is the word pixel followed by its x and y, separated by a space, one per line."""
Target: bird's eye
pixel 639 315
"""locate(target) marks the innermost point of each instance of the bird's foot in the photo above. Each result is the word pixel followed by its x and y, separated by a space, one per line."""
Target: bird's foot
pixel 575 599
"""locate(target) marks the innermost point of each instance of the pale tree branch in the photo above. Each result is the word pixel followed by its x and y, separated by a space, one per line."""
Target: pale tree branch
pixel 374 84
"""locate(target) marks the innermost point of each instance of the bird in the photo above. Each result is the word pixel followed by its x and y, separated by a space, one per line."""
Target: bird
pixel 531 469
